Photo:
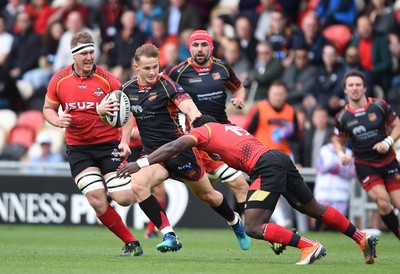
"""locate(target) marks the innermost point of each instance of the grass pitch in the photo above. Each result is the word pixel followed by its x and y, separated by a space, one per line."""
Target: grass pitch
pixel 76 249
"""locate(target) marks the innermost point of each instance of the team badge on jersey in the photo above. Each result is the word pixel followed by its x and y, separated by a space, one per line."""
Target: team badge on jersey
pixel 216 76
pixel 152 96
pixel 98 92
pixel 372 117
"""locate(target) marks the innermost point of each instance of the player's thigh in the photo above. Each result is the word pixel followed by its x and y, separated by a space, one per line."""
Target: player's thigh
pixel 202 188
pixel 147 178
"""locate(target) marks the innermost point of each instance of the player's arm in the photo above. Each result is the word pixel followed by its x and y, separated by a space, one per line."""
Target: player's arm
pixel 50 112
pixel 238 99
pixel 395 125
pixel 162 154
pixel 385 144
pixel 340 149
pixel 126 131
pixel 189 108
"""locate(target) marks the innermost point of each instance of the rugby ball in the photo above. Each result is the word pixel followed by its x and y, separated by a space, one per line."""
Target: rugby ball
pixel 122 114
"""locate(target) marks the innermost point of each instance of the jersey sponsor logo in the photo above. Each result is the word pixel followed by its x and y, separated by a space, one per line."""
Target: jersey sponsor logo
pixel 358 114
pixel 144 89
pixel 216 76
pixel 352 122
pixel 359 130
pixel 195 80
pixel 203 73
pixel 152 96
pixel 136 108
pixel 82 87
pixel 133 97
pixel 372 117
pixel 82 105
pixel 393 171
pixel 98 92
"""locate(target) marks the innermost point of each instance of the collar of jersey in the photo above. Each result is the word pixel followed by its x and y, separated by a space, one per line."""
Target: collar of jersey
pixel 200 69
pixel 82 77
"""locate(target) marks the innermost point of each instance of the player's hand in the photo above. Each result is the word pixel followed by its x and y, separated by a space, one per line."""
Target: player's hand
pixel 238 103
pixel 381 147
pixel 125 171
pixel 124 150
pixel 64 119
pixel 107 106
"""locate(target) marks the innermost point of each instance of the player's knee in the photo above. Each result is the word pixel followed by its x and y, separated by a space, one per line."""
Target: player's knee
pixel 124 200
pixel 384 204
pixel 226 174
pixel 97 200
pixel 210 198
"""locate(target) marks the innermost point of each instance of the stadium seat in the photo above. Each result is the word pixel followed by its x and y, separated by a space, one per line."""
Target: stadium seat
pixel 12 152
pixel 3 138
pixel 23 135
pixel 8 119
pixel 339 35
pixel 31 118
pixel 25 88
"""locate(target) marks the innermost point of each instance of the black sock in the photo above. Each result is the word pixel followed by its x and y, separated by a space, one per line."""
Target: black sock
pixel 392 223
pixel 225 210
pixel 239 208
pixel 155 212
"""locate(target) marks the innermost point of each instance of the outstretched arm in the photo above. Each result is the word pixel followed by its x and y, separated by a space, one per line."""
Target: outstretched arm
pixel 163 153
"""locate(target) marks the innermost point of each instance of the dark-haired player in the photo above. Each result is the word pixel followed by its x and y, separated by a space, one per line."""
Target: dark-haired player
pixel 93 148
pixel 155 101
pixel 366 122
pixel 207 80
pixel 272 174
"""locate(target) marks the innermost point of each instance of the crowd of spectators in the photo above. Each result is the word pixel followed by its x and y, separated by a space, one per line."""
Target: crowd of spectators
pixel 263 40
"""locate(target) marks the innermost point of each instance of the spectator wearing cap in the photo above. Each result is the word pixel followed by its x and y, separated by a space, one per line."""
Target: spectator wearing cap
pixel 44 155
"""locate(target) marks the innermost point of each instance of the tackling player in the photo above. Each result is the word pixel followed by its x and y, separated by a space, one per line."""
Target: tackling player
pixel 272 174
pixel 206 79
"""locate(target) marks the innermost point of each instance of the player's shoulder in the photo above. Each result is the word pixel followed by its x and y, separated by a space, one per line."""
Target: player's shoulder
pixel 378 102
pixel 166 80
pixel 67 71
pixel 102 72
pixel 130 83
pixel 341 113
pixel 219 62
pixel 178 68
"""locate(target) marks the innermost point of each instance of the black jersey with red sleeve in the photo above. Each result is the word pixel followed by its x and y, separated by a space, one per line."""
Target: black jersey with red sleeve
pixel 207 85
pixel 365 127
pixel 82 95
pixel 156 110
pixel 230 144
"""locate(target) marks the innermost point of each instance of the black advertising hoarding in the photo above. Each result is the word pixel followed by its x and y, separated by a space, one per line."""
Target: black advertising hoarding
pixel 56 200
